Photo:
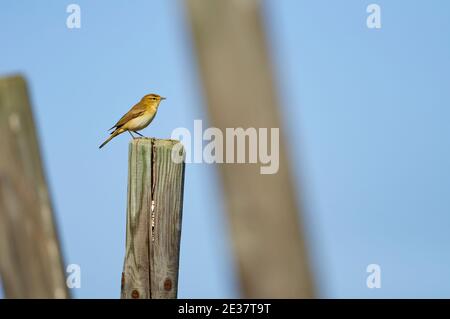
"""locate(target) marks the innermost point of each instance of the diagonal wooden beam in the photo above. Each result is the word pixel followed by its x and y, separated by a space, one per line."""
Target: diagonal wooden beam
pixel 265 226
pixel 30 258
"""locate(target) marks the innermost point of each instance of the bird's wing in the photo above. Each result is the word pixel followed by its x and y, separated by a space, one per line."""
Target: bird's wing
pixel 136 111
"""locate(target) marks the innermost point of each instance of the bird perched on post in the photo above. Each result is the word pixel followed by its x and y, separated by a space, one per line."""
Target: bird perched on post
pixel 138 117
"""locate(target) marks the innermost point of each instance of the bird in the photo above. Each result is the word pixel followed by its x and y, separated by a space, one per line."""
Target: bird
pixel 137 118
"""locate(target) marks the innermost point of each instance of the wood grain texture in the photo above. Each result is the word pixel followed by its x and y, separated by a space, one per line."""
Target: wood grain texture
pixel 30 259
pixel 236 72
pixel 155 202
pixel 136 273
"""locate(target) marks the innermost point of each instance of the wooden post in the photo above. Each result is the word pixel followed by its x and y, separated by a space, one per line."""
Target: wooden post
pixel 155 202
pixel 265 223
pixel 30 259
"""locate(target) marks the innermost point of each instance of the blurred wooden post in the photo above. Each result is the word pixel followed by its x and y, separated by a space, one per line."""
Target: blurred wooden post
pixel 236 72
pixel 30 259
pixel 155 202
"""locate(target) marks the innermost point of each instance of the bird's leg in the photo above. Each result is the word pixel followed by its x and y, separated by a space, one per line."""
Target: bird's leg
pixel 139 134
pixel 132 135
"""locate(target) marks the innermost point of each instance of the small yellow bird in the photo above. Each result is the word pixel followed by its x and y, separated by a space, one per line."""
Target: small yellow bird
pixel 138 117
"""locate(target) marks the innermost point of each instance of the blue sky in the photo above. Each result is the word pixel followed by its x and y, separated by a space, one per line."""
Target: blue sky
pixel 366 112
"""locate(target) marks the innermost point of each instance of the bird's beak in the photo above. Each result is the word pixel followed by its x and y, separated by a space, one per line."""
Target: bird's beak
pixel 162 98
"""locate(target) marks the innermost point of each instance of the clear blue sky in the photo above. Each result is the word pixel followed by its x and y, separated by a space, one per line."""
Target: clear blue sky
pixel 366 112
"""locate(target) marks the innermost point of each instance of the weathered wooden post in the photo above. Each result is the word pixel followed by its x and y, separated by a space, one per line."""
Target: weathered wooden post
pixel 30 258
pixel 154 210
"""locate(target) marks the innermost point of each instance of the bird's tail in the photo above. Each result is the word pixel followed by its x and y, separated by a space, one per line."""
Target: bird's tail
pixel 113 135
